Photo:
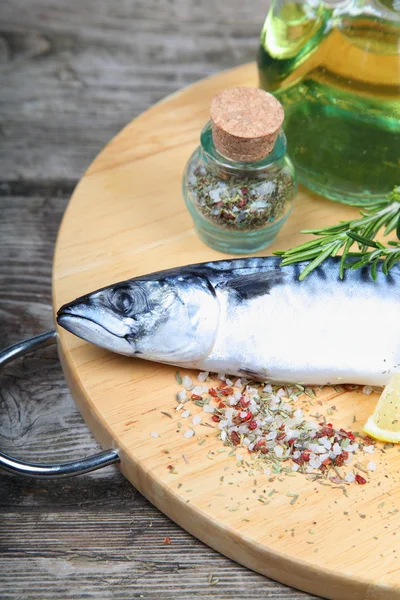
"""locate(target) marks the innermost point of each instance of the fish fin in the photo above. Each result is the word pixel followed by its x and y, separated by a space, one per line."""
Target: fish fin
pixel 250 286
pixel 254 375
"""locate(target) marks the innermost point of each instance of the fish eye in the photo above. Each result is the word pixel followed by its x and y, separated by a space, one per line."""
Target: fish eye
pixel 130 301
pixel 122 300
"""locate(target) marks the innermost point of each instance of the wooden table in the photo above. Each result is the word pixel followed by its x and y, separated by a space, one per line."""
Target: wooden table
pixel 72 74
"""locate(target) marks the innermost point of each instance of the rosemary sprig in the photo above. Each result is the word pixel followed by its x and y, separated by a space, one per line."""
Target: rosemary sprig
pixel 331 241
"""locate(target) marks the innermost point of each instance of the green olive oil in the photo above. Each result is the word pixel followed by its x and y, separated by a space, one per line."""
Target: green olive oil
pixel 337 74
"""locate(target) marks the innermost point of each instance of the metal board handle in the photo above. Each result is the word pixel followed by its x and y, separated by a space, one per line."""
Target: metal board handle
pixel 55 470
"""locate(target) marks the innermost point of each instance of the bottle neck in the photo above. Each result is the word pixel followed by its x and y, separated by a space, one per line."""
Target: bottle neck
pixel 218 163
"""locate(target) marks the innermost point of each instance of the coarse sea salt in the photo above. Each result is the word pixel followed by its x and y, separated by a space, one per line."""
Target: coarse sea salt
pixel 202 376
pixel 369 449
pixel 187 382
pixel 352 447
pixel 186 414
pixel 189 433
pixel 196 420
pixel 181 395
pixel 371 466
pixel 154 434
pixel 197 390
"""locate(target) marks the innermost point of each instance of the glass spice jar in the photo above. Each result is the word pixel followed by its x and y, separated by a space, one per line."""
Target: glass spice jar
pixel 239 183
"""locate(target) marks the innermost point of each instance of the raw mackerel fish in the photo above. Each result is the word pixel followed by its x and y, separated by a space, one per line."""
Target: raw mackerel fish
pixel 253 318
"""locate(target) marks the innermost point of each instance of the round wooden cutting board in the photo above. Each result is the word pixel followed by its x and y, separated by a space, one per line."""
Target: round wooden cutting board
pixel 126 218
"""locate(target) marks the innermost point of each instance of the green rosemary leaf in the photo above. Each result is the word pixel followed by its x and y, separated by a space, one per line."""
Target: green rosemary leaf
pixel 300 256
pixel 317 261
pixel 392 224
pixel 305 246
pixel 375 254
pixel 382 222
pixel 361 240
pixel 398 228
pixel 332 229
pixel 394 259
pixel 346 249
pixel 385 266
pixel 356 264
pixel 374 267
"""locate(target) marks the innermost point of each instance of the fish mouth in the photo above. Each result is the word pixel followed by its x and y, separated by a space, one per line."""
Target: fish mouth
pixel 90 330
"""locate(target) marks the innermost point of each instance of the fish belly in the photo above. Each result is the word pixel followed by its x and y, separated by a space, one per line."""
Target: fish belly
pixel 327 334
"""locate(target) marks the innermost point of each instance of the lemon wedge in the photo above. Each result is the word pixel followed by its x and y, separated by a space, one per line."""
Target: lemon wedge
pixel 384 423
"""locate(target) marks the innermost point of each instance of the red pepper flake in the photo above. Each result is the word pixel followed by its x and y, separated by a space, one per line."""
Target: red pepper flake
pixel 216 418
pixel 305 456
pixel 235 437
pixel 280 437
pixel 170 467
pixel 223 384
pixel 248 417
pixel 327 431
pixel 167 540
pixel 244 402
pixel 253 425
pixel 347 434
pixel 244 190
pixel 196 397
pixel 213 392
pixel 360 480
pixel 226 391
pixel 325 463
pixel 368 440
pixel 259 444
pixel 264 450
pixel 339 460
pixel 221 405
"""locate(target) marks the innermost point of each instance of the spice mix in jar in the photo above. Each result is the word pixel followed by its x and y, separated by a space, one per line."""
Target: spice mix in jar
pixel 239 184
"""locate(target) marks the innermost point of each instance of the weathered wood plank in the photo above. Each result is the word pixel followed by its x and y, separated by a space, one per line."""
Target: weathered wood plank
pixel 72 74
pixel 129 560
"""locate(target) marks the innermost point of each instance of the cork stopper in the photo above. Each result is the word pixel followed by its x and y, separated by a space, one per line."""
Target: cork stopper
pixel 245 123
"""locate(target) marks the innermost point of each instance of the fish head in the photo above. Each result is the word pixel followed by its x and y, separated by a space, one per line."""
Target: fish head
pixel 171 320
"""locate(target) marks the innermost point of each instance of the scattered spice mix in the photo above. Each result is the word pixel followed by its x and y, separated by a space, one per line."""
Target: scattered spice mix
pixel 265 421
